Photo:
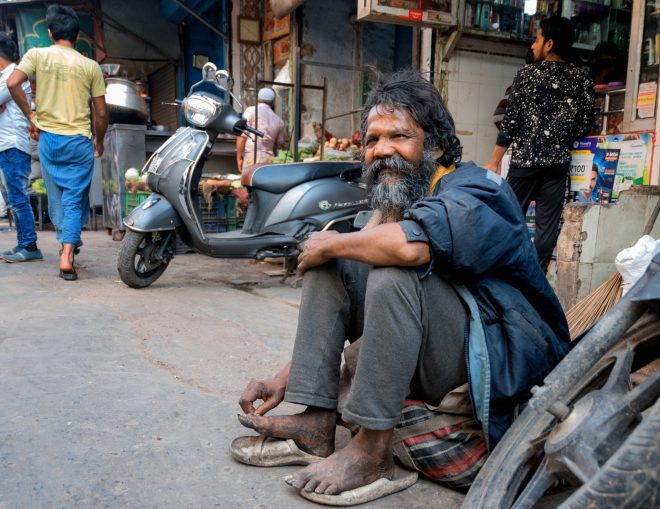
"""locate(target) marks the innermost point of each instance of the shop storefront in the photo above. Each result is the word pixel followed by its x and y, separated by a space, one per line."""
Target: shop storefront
pixel 150 53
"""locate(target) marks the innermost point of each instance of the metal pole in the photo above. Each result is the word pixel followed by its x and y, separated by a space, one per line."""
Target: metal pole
pixel 416 50
pixel 256 115
pixel 297 90
pixel 323 111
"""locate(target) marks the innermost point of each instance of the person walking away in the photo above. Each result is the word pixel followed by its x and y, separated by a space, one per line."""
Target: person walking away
pixel 66 83
pixel 15 159
pixel 551 105
pixel 269 123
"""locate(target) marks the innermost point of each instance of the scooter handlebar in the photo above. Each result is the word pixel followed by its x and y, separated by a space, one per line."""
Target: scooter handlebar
pixel 254 131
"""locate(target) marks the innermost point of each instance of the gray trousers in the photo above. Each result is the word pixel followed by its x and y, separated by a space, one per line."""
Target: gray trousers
pixel 413 335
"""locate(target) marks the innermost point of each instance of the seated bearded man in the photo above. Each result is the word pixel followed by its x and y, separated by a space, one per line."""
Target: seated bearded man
pixel 444 293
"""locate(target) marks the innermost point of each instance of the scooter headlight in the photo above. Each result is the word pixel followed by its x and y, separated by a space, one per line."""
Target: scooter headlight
pixel 200 110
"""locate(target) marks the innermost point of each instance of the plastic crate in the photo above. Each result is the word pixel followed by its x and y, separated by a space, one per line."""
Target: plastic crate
pixel 220 215
pixel 134 199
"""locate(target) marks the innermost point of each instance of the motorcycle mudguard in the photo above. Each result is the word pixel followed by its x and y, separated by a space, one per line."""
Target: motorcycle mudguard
pixel 153 215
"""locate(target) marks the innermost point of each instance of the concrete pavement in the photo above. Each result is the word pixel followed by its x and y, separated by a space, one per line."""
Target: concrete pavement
pixel 113 397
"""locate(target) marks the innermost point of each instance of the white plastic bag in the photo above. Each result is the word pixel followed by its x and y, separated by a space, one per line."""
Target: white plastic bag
pixel 632 262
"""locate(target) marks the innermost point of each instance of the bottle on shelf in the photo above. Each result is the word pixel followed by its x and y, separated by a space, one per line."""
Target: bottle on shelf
pixel 594 34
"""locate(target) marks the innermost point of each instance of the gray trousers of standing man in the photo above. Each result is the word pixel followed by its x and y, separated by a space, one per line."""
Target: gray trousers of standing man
pixel 412 334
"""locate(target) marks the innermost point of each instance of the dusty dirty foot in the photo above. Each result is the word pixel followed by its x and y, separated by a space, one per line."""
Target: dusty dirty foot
pixel 366 458
pixel 312 430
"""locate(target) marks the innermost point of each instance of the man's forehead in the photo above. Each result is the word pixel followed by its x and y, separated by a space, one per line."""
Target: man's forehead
pixel 390 113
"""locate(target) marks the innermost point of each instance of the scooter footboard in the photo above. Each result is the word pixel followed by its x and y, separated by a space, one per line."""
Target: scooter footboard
pixel 152 215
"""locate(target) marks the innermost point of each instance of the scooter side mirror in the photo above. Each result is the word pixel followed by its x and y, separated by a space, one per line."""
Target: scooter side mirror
pixel 208 71
pixel 224 80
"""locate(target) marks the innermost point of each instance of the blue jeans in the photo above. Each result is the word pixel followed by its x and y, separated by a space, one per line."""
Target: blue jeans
pixel 15 165
pixel 67 167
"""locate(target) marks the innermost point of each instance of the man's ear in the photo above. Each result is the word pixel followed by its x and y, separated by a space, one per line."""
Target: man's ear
pixel 549 44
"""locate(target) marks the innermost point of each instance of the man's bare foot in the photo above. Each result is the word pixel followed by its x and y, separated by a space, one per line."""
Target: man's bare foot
pixel 313 430
pixel 366 458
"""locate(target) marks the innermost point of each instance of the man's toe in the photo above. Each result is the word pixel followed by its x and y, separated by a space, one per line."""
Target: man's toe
pixel 246 420
pixel 322 487
pixel 297 480
pixel 311 485
pixel 332 489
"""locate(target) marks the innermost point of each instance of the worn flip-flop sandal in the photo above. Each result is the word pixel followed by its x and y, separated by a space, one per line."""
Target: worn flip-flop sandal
pixel 263 451
pixel 69 275
pixel 377 489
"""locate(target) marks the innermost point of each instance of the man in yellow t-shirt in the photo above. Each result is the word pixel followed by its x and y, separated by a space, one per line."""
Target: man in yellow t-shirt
pixel 67 82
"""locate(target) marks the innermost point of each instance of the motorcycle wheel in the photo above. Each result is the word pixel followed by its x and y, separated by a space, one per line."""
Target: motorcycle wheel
pixel 137 265
pixel 602 469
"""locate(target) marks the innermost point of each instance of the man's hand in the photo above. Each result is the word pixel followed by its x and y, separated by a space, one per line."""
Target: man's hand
pixel 315 251
pixel 493 167
pixel 98 147
pixel 271 392
pixel 32 128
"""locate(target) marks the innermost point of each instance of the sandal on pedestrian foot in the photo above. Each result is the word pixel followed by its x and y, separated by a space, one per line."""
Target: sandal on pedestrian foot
pixel 69 275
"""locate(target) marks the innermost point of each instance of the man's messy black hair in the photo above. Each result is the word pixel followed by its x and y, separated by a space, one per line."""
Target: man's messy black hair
pixel 63 23
pixel 8 49
pixel 560 31
pixel 410 91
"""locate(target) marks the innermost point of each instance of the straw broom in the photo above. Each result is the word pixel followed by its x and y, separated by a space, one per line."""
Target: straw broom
pixel 585 313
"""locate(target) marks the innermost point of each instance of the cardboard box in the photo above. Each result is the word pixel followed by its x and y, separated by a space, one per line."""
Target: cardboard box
pixel 429 13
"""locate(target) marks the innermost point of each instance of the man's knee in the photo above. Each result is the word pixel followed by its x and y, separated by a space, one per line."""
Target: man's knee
pixel 383 281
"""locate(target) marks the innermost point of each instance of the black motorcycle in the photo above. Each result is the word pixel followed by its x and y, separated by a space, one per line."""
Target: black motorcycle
pixel 287 202
pixel 590 436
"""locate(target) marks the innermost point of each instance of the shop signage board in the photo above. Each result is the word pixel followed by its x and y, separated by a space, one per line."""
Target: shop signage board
pixel 32 31
pixel 429 13
pixel 603 166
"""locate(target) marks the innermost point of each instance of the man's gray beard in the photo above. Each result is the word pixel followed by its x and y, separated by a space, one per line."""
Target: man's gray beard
pixel 393 199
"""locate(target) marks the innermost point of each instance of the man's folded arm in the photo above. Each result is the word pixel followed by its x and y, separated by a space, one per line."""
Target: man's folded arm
pixel 383 245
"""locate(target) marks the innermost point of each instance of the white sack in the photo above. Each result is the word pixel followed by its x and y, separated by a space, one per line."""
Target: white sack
pixel 632 262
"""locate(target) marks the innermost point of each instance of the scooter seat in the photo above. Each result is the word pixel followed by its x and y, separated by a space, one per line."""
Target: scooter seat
pixel 279 178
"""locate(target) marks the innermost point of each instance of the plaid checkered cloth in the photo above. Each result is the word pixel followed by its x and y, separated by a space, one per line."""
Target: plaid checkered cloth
pixel 446 448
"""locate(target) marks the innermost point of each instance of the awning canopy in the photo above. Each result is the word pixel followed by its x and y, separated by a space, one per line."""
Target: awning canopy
pixel 174 12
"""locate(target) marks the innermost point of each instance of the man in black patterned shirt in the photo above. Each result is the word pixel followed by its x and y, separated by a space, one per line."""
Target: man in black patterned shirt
pixel 551 105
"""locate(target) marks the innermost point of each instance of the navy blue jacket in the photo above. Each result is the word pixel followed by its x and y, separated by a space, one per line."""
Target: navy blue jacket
pixel 517 330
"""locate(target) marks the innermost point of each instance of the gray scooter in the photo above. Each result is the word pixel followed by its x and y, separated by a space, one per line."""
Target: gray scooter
pixel 286 202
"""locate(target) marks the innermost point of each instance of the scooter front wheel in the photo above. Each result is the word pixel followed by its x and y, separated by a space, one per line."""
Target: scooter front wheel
pixel 143 257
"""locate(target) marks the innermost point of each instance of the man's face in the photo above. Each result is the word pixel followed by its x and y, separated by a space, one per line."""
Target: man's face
pixel 397 167
pixel 540 48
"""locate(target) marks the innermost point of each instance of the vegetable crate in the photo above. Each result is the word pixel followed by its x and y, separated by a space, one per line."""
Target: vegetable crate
pixel 220 215
pixel 133 200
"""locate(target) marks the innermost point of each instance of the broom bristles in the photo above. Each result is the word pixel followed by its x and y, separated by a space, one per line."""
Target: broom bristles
pixel 585 313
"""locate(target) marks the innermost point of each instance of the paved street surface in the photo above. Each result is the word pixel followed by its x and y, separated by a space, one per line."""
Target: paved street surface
pixel 113 397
